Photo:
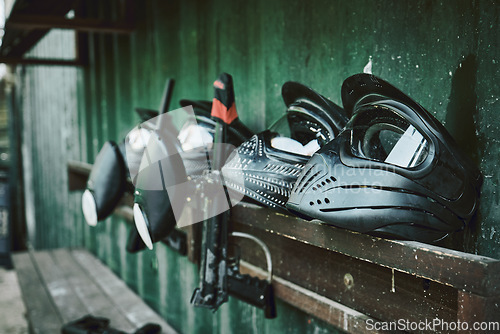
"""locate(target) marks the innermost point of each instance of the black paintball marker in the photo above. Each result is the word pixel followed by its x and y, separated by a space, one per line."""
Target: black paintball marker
pixel 219 274
pixel 175 239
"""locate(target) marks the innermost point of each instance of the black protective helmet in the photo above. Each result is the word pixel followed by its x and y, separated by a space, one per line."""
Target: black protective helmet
pixel 153 213
pixel 271 161
pixel 394 171
pixel 107 181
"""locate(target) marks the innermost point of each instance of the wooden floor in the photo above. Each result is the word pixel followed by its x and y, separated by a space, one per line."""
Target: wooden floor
pixel 62 285
pixel 12 311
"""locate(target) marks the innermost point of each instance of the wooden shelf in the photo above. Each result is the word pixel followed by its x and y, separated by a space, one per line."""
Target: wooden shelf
pixel 460 270
pixel 345 277
pixel 383 279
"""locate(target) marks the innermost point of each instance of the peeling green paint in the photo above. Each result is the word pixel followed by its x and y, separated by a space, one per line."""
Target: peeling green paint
pixel 444 54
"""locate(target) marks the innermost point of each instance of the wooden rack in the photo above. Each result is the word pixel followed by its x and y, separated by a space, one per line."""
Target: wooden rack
pixel 346 278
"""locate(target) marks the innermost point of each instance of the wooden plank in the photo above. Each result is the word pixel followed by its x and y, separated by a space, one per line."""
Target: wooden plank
pixel 58 284
pixel 479 274
pixel 20 44
pixel 125 212
pixel 43 315
pixel 78 174
pixel 29 23
pixel 16 43
pixel 40 61
pixel 124 299
pixel 373 290
pixel 314 304
pixel 32 21
pixel 89 291
pixel 473 308
pixel 79 167
pixel 474 273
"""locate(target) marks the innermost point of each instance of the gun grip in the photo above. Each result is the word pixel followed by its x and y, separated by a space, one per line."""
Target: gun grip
pixel 254 291
pixel 270 307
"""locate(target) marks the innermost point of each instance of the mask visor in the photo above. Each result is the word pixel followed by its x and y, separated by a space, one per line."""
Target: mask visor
pixel 379 133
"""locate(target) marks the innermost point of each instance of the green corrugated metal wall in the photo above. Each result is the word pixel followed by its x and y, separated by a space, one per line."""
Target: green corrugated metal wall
pixel 442 53
pixel 47 104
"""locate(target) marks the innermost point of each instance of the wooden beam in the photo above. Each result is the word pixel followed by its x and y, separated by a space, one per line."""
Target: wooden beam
pixel 371 289
pixel 116 290
pixel 39 61
pixel 30 22
pixel 314 304
pixel 478 274
pixel 15 43
pixel 64 285
pixel 42 313
pixel 473 308
pixel 78 174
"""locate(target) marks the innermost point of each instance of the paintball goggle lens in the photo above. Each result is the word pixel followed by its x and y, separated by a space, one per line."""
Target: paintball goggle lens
pixel 379 133
pixel 298 133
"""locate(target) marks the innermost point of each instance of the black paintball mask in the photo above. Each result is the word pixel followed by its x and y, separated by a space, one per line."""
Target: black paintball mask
pixel 107 181
pixel 187 159
pixel 271 161
pixel 394 171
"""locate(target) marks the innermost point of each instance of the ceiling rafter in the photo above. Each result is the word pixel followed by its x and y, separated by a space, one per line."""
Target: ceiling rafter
pixel 30 20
